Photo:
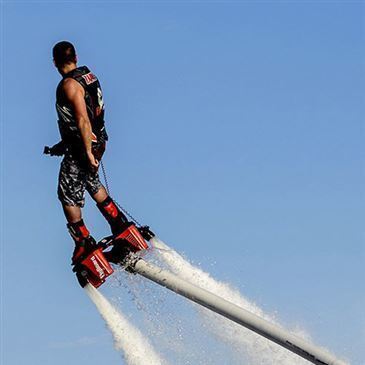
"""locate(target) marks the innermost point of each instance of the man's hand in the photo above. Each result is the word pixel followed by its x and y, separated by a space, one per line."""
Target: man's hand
pixel 93 162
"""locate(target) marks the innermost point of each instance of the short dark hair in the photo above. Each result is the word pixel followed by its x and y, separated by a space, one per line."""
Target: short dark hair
pixel 64 53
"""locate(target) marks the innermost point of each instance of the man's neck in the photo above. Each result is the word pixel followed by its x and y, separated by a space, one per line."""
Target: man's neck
pixel 67 68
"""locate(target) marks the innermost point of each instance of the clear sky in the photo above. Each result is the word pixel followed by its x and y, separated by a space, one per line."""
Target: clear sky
pixel 236 132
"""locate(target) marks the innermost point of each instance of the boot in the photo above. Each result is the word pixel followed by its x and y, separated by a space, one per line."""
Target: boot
pixel 117 220
pixel 84 242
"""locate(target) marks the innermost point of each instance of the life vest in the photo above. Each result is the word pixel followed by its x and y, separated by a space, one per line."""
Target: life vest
pixel 69 131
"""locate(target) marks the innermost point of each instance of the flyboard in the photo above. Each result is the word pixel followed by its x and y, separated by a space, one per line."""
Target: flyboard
pixel 126 251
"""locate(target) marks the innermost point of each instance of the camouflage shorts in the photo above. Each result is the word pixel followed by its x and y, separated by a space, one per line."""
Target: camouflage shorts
pixel 74 178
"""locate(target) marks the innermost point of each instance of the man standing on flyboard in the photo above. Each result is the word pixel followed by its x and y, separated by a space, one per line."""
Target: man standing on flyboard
pixel 80 109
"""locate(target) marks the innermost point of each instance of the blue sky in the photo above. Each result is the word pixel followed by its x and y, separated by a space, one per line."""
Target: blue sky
pixel 236 132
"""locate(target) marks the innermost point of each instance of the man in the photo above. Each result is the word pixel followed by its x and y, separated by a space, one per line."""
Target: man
pixel 80 109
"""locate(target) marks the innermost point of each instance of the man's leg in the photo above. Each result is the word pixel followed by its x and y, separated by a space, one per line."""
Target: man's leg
pixel 71 193
pixel 118 223
pixel 100 195
pixel 84 242
pixel 117 220
pixel 72 213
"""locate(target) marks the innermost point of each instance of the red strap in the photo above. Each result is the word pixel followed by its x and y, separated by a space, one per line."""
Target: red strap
pixel 84 231
pixel 111 209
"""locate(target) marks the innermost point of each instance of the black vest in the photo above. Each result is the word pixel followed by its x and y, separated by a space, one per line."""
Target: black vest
pixel 70 133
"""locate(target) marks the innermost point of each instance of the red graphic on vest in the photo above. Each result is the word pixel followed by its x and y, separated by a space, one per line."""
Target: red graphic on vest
pixel 89 78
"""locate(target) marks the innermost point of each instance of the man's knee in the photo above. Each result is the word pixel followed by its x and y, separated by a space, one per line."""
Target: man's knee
pixel 100 195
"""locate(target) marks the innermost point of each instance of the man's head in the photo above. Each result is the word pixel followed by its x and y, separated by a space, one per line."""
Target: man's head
pixel 64 54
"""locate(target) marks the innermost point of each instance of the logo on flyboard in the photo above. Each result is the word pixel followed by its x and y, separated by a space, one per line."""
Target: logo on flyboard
pixel 97 267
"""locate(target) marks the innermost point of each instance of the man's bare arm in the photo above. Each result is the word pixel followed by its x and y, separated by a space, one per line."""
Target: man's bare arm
pixel 75 94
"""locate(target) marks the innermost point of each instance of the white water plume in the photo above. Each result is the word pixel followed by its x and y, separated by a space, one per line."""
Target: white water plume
pixel 256 349
pixel 169 320
pixel 136 348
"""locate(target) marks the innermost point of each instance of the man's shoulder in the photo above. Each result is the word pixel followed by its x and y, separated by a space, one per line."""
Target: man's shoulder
pixel 70 84
pixel 71 88
pixel 69 81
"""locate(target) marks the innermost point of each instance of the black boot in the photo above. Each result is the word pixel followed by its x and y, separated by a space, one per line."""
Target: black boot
pixel 117 220
pixel 84 242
